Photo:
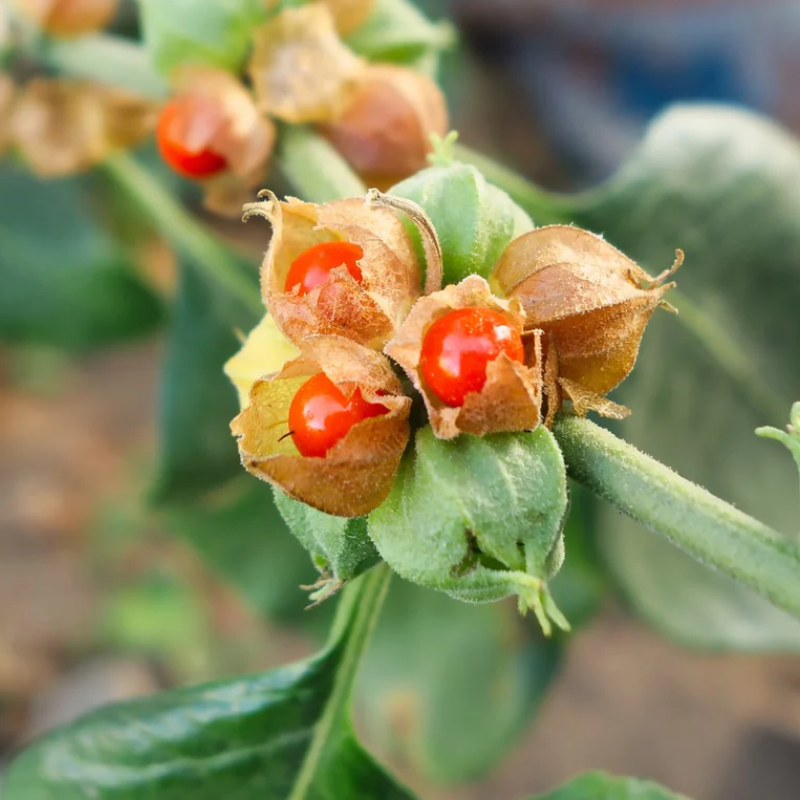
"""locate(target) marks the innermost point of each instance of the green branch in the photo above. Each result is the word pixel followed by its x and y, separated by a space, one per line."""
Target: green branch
pixel 707 528
pixel 188 236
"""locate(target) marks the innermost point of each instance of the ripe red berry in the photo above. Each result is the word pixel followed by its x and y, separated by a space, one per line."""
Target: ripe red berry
pixel 169 135
pixel 320 414
pixel 458 347
pixel 313 266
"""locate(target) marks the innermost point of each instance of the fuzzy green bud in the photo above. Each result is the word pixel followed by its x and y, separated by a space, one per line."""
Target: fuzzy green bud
pixel 339 546
pixel 474 219
pixel 479 518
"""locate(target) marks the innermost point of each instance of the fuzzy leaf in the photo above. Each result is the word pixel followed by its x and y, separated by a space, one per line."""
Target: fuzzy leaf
pixel 724 185
pixel 65 281
pixel 599 786
pixel 215 32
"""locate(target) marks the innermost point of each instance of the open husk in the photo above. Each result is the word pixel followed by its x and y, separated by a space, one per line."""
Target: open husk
pixel 511 398
pixel 356 474
pixel 591 301
pixel 367 312
pixel 385 130
pixel 219 115
pixel 300 69
pixel 63 126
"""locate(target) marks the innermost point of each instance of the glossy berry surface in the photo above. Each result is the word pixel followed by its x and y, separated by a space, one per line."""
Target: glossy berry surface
pixel 321 414
pixel 457 349
pixel 190 163
pixel 313 267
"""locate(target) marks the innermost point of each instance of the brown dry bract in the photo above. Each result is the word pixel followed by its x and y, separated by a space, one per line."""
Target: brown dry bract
pixel 384 131
pixel 366 312
pixel 68 17
pixel 300 69
pixel 220 115
pixel 64 126
pixel 356 474
pixel 512 396
pixel 592 302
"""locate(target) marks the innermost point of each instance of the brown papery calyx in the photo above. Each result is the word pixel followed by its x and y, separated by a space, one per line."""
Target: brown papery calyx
pixel 511 398
pixel 367 311
pixel 592 304
pixel 356 474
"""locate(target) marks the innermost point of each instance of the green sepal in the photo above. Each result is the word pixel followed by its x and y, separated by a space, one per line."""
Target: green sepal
pixel 478 518
pixel 397 32
pixel 790 437
pixel 339 546
pixel 474 219
pixel 217 33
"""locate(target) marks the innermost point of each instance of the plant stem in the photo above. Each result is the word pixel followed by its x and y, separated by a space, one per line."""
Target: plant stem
pixel 707 528
pixel 315 169
pixel 185 233
pixel 356 617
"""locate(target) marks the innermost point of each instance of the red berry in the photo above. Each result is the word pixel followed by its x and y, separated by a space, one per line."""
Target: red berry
pixel 169 135
pixel 313 266
pixel 458 347
pixel 320 414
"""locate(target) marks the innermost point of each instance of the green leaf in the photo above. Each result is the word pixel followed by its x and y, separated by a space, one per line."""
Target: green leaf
pixel 473 219
pixel 399 33
pixel 449 687
pixel 599 786
pixel 724 185
pixel 283 734
pixel 241 536
pixel 65 281
pixel 198 452
pixel 215 32
pixel 477 517
pixel 339 546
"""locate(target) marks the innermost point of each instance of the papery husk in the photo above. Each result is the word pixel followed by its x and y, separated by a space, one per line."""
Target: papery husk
pixel 356 474
pixel 385 130
pixel 63 126
pixel 591 301
pixel 300 69
pixel 367 312
pixel 222 117
pixel 511 398
pixel 348 15
pixel 67 18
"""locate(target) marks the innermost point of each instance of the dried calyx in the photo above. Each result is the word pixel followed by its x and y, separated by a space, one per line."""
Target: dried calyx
pixel 592 304
pixel 211 131
pixel 366 295
pixel 508 397
pixel 354 473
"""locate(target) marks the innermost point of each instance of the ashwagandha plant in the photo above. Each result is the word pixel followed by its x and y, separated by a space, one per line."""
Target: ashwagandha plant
pixel 436 331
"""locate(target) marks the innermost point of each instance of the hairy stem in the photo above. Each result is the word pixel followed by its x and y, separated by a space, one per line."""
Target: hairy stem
pixel 705 527
pixel 183 231
pixel 355 620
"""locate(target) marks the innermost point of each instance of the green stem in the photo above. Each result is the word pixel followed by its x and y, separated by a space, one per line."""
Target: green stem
pixel 356 617
pixel 314 168
pixel 707 528
pixel 186 234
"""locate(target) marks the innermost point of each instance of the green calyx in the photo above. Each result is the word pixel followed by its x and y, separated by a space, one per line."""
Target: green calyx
pixel 478 518
pixel 474 219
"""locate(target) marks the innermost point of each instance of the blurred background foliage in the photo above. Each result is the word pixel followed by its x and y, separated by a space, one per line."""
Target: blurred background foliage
pixel 132 548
